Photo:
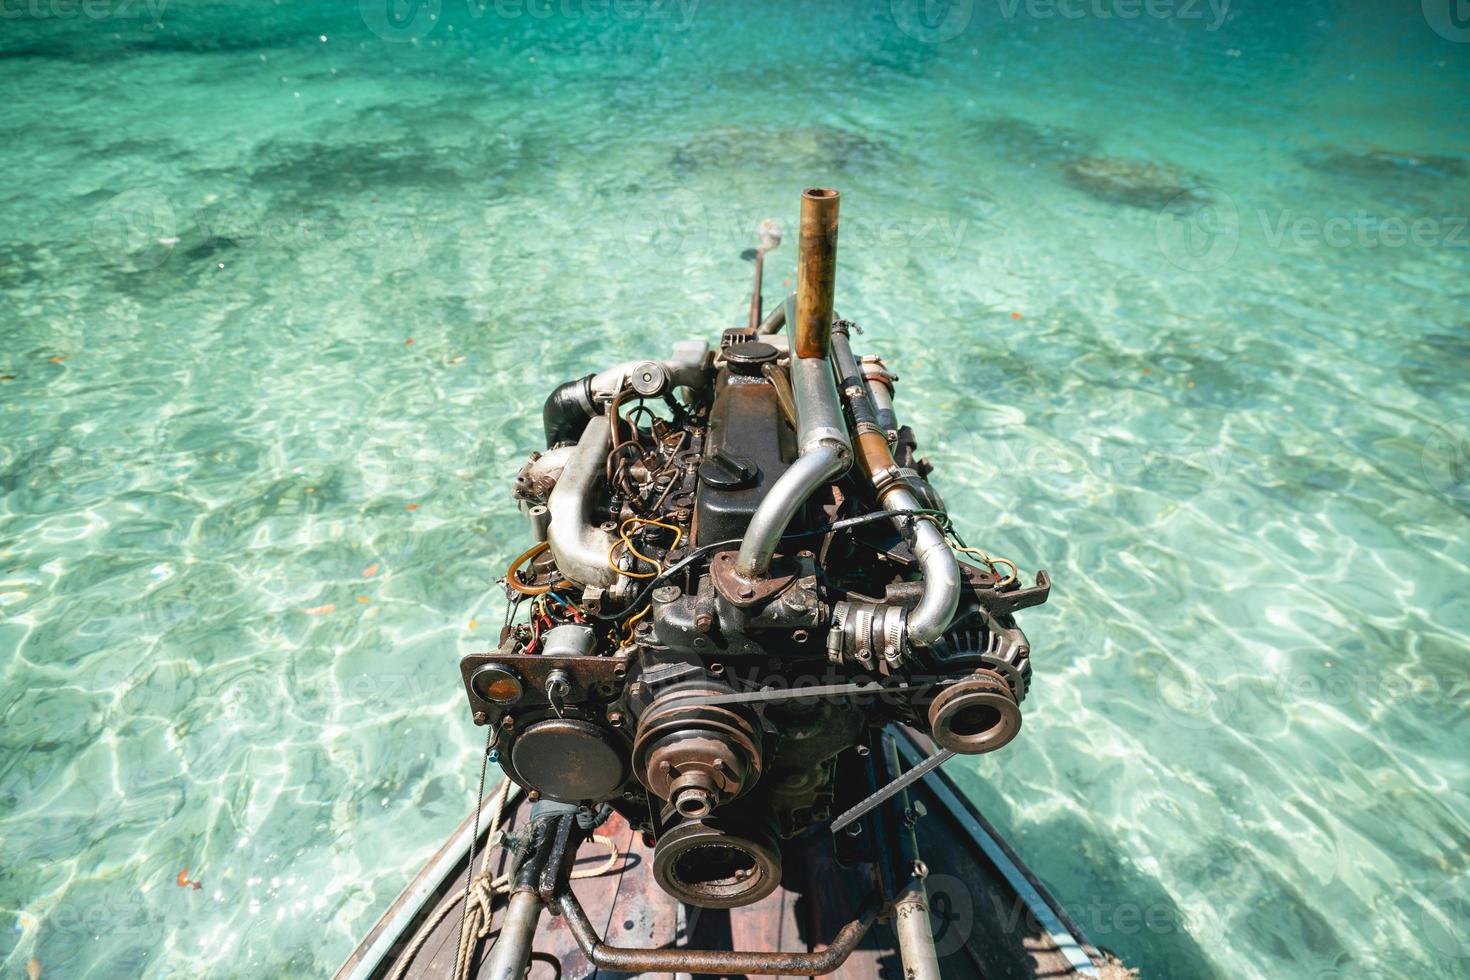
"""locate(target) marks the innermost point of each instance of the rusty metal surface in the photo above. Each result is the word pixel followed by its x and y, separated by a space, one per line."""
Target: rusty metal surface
pixel 746 592
pixel 591 678
pixel 816 274
pixel 815 963
pixel 980 927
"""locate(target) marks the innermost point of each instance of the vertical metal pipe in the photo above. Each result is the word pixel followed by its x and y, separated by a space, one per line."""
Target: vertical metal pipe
pixel 816 272
pixel 911 904
pixel 824 443
pixel 512 952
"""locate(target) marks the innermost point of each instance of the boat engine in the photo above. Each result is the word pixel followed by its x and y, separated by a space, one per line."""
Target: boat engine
pixel 739 572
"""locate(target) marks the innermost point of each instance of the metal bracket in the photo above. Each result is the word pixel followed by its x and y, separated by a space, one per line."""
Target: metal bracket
pixel 743 592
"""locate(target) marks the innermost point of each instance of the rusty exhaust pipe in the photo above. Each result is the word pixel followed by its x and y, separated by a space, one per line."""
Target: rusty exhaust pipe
pixel 824 444
pixel 816 272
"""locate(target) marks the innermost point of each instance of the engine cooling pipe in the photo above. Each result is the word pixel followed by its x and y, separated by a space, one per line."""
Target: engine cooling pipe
pixel 927 621
pixel 579 545
pixel 572 404
pixel 566 411
pixel 824 446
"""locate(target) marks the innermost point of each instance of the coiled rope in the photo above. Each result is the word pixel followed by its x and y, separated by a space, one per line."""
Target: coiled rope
pixel 479 897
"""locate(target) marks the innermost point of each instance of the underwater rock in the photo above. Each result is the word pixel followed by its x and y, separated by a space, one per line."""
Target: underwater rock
pixel 1385 164
pixel 332 167
pixel 812 148
pixel 1020 139
pixel 1136 183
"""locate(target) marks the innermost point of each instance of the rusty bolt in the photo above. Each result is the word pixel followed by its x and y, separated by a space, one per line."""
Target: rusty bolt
pixel 704 622
pixel 614 718
pixel 481 718
pixel 746 592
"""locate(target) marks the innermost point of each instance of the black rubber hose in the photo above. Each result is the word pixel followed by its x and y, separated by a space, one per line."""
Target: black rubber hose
pixel 567 411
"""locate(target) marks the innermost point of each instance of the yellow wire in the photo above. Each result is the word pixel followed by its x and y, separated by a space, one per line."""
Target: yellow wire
pixel 632 622
pixel 512 577
pixel 613 563
pixel 991 561
pixel 626 543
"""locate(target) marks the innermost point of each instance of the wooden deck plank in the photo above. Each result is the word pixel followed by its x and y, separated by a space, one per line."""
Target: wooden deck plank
pixel 982 928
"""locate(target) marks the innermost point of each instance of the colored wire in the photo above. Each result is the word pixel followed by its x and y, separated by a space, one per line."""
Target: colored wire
pixel 513 577
pixel 632 622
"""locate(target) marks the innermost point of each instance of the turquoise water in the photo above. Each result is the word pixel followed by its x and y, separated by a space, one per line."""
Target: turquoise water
pixel 282 288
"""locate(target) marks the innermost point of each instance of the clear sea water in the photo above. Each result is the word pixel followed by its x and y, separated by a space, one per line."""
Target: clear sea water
pixel 282 287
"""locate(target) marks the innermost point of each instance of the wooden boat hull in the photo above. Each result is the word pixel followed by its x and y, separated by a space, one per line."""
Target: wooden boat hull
pixel 990 916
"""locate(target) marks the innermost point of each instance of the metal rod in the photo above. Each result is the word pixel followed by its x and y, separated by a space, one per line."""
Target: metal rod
pixel 816 272
pixel 512 951
pixel 913 775
pixel 617 959
pixel 911 904
pixel 755 297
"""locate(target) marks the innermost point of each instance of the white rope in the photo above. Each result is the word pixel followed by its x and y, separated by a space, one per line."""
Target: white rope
pixel 480 896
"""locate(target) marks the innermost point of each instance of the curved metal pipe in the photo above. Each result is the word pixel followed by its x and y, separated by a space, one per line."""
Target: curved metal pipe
pixel 825 449
pixel 620 959
pixel 810 471
pixel 579 546
pixel 685 369
pixel 927 621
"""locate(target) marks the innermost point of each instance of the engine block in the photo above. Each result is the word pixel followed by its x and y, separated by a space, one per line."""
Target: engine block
pixel 739 573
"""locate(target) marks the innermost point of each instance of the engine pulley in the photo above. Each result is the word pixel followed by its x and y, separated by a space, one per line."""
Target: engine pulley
pixel 694 755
